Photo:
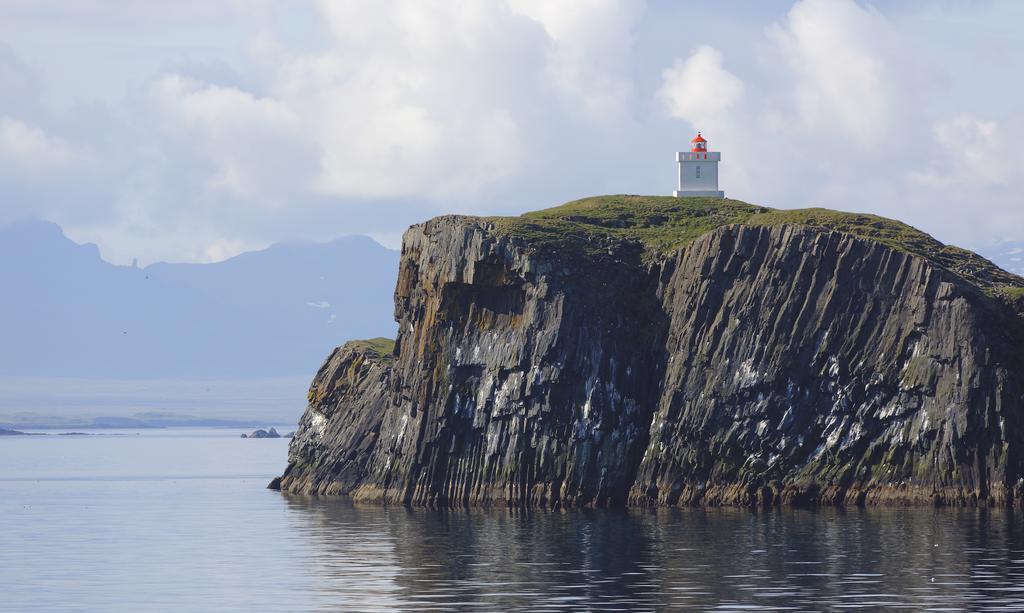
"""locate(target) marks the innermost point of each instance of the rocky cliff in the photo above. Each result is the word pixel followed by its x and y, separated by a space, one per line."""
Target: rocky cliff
pixel 660 351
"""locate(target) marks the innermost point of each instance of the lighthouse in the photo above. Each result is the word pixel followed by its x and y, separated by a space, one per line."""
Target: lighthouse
pixel 698 170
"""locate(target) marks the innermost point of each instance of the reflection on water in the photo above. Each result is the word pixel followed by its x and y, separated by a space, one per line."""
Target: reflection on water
pixel 181 521
pixel 715 559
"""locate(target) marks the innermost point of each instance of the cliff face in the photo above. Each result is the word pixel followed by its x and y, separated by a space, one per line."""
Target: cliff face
pixel 814 366
pixel 755 364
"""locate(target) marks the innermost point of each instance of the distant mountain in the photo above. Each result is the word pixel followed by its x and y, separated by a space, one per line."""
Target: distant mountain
pixel 1009 256
pixel 275 312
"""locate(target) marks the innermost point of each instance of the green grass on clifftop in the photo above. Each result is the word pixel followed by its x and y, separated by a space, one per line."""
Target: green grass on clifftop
pixel 663 224
pixel 383 347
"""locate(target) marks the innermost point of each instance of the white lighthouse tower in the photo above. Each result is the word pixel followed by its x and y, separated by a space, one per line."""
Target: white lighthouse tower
pixel 698 170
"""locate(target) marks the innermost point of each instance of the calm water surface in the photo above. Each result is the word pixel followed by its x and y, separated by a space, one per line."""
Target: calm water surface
pixel 179 520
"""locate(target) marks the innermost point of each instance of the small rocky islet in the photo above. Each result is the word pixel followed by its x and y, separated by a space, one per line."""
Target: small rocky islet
pixel 268 433
pixel 648 351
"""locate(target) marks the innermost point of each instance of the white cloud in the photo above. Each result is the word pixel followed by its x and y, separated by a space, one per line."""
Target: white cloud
pixel 432 114
pixel 253 143
pixel 847 69
pixel 972 153
pixel 700 90
pixel 589 51
pixel 27 152
pixel 319 304
pixel 968 179
pixel 426 115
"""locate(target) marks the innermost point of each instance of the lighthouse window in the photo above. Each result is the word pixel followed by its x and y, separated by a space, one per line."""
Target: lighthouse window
pixel 698 172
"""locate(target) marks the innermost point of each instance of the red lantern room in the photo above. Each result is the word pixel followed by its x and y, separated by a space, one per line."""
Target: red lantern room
pixel 700 145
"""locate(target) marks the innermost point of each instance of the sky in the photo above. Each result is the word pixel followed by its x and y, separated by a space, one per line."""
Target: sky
pixel 196 130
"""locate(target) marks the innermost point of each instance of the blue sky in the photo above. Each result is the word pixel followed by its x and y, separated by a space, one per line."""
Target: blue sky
pixel 191 131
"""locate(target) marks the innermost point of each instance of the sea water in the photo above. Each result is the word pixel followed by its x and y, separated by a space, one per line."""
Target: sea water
pixel 181 520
